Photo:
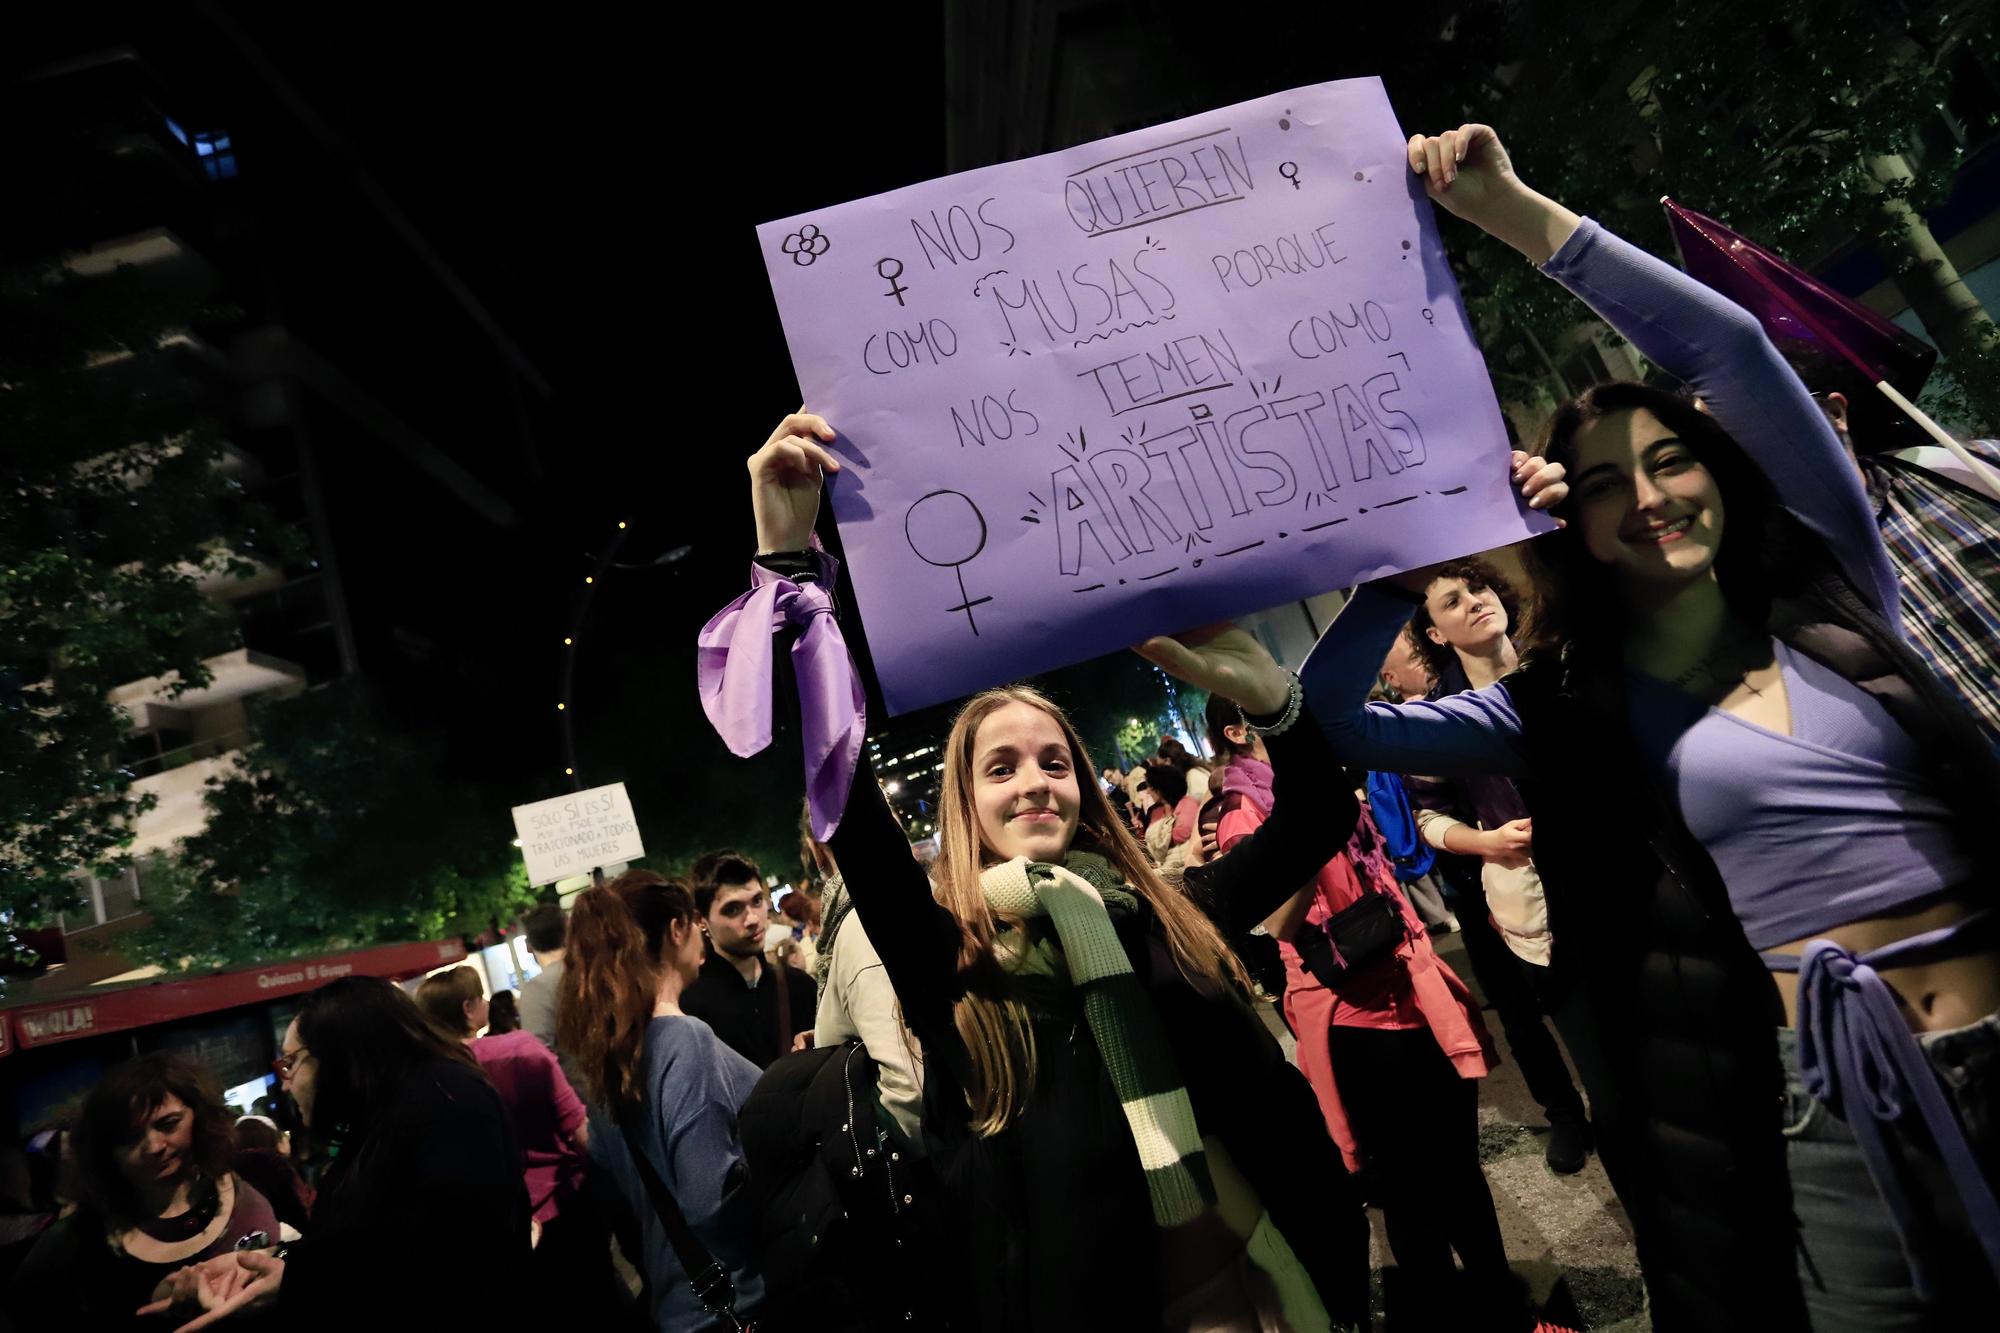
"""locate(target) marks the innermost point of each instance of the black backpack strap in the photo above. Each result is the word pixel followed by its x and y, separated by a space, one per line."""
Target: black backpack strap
pixel 705 1273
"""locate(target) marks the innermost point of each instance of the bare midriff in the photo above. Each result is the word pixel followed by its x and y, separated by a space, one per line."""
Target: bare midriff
pixel 1949 993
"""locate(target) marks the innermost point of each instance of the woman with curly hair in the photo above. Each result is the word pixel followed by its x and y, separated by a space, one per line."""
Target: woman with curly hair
pixel 153 1150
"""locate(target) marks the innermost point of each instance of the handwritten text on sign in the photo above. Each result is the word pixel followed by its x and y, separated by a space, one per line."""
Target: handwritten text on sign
pixel 570 835
pixel 1139 385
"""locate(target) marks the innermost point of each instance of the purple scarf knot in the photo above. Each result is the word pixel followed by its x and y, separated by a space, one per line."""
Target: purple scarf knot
pixel 1858 1056
pixel 734 670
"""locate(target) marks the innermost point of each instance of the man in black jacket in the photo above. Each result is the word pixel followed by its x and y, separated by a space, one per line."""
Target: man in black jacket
pixel 757 1009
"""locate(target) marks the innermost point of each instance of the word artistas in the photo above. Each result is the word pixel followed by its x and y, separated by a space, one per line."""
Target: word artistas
pixel 1170 488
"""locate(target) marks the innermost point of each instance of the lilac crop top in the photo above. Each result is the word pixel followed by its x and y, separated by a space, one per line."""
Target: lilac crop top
pixel 1828 825
pixel 1812 831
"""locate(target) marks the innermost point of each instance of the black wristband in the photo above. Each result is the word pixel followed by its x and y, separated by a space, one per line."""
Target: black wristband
pixel 798 566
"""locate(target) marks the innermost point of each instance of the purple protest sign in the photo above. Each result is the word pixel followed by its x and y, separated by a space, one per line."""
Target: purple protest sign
pixel 1144 384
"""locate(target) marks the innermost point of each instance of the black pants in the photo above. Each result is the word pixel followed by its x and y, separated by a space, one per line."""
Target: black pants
pixel 1520 993
pixel 1417 1124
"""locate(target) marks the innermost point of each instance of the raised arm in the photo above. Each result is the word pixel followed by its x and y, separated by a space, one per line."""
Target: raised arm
pixel 1312 816
pixel 1684 327
pixel 1460 735
pixel 917 938
pixel 1313 809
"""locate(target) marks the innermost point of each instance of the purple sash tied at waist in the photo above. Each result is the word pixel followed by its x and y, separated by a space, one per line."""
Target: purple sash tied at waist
pixel 1858 1056
pixel 735 678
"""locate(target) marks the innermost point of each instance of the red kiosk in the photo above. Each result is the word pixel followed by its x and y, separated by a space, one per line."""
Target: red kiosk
pixel 54 1047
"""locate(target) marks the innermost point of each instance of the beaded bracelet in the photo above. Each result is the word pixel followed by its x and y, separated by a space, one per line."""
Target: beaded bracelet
pixel 1295 701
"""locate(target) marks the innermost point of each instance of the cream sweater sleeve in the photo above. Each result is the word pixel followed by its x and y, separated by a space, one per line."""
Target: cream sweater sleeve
pixel 860 1003
pixel 1434 825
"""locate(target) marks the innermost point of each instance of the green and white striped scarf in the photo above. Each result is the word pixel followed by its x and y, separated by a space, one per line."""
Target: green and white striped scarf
pixel 1076 898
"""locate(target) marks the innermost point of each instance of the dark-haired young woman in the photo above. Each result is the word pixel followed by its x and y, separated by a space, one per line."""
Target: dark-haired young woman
pixel 1737 755
pixel 1463 628
pixel 424 1187
pixel 659 1082
pixel 153 1149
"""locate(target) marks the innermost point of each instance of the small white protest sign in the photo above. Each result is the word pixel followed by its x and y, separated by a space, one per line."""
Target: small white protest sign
pixel 568 835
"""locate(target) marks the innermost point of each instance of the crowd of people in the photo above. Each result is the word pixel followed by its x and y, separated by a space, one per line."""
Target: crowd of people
pixel 1698 789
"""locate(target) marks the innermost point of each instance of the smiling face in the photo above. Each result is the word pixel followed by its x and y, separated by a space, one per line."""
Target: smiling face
pixel 1464 615
pixel 1025 797
pixel 1642 503
pixel 163 1148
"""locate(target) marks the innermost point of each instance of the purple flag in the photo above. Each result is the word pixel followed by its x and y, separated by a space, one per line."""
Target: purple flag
pixel 1139 385
pixel 1795 307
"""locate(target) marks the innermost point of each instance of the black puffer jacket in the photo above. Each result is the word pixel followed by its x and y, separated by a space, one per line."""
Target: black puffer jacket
pixel 1688 1011
pixel 1689 1018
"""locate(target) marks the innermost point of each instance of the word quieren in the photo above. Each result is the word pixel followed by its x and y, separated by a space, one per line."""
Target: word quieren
pixel 1120 299
pixel 1294 254
pixel 988 415
pixel 1112 508
pixel 1157 183
pixel 956 237
pixel 903 348
pixel 1182 366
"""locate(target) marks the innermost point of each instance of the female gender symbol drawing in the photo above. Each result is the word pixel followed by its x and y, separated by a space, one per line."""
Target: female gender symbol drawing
pixel 947 530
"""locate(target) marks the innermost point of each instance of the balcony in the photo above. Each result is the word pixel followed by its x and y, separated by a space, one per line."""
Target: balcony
pixel 146 758
pixel 234 676
pixel 179 811
pixel 169 268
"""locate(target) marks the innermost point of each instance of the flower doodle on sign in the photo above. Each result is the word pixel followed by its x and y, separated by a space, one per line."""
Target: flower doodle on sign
pixel 806 244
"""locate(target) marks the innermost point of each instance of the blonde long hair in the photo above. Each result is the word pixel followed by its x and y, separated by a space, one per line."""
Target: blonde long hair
pixel 992 1022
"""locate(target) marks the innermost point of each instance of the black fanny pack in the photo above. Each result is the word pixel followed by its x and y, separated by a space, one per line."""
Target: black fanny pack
pixel 1358 936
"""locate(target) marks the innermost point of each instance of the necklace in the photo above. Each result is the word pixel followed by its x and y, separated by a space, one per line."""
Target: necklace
pixel 203 1205
pixel 1729 653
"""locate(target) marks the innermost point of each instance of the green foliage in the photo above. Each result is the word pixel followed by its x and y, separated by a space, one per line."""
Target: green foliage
pixel 113 505
pixel 333 832
pixel 1764 116
pixel 1120 702
pixel 1960 393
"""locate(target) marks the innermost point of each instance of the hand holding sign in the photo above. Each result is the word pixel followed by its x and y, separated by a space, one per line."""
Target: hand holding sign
pixel 1224 660
pixel 1468 171
pixel 1157 380
pixel 785 481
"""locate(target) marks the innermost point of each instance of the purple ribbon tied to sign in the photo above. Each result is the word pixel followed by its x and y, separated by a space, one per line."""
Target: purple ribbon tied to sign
pixel 734 671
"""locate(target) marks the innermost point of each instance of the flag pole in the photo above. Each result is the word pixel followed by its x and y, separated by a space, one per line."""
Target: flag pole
pixel 1938 433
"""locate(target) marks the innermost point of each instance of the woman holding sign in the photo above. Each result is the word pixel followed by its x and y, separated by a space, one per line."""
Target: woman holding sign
pixel 1123 1144
pixel 1721 661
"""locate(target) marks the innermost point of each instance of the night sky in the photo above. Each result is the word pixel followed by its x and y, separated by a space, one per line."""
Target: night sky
pixel 594 176
pixel 595 179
